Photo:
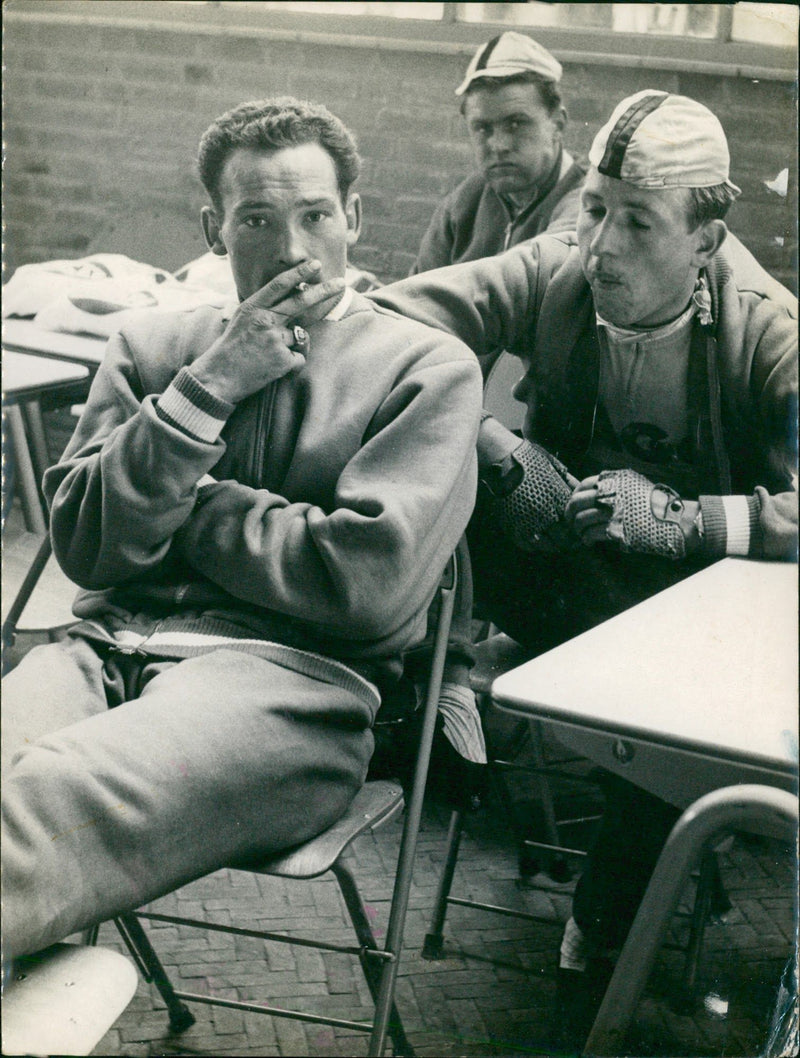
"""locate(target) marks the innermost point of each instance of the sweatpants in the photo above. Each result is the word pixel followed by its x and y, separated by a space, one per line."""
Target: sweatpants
pixel 127 777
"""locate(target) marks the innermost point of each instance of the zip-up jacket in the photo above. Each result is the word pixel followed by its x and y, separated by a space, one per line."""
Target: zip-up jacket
pixel 535 302
pixel 316 514
pixel 474 221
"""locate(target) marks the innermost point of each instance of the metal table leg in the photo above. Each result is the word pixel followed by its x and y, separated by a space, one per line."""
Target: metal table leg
pixel 29 492
pixel 760 809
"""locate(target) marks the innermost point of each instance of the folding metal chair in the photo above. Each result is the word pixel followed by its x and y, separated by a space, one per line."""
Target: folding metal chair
pixel 377 802
pixel 495 654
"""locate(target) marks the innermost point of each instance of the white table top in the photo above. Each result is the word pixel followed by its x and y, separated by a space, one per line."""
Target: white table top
pixel 25 375
pixel 24 335
pixel 709 666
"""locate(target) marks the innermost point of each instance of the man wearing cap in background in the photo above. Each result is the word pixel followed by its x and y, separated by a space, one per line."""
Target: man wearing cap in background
pixel 661 367
pixel 527 183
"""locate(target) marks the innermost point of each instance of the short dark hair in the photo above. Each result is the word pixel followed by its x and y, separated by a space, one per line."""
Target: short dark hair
pixel 709 203
pixel 271 125
pixel 549 92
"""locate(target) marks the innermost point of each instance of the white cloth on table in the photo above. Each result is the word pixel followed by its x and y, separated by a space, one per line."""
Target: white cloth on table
pixel 96 294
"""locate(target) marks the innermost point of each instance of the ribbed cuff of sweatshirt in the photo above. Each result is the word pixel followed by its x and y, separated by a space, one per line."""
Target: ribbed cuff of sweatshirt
pixel 731 525
pixel 188 406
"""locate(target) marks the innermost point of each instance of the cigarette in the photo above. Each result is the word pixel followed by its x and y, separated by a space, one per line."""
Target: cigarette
pixel 302 287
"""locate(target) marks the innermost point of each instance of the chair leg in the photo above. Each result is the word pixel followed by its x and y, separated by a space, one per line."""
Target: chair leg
pixel 547 852
pixel 32 414
pixel 180 1017
pixel 704 894
pixel 556 866
pixel 90 935
pixel 528 864
pixel 366 938
pixel 434 940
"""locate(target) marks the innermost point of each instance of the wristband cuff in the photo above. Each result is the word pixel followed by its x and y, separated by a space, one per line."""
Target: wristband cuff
pixel 187 405
pixel 756 532
pixel 731 525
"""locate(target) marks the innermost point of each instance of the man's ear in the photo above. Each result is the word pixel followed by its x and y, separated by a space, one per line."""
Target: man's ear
pixel 560 120
pixel 211 231
pixel 710 236
pixel 352 212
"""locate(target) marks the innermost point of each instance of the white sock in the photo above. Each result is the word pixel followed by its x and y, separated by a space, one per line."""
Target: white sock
pixel 574 948
pixel 462 722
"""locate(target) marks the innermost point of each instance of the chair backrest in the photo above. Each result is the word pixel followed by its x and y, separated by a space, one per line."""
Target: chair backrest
pixel 413 815
pixel 447 596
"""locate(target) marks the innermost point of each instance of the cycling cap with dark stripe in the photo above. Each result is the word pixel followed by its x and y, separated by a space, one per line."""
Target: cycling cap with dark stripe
pixel 507 54
pixel 654 139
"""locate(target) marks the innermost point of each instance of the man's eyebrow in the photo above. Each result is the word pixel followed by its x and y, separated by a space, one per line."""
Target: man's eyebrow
pixel 265 203
pixel 641 207
pixel 517 115
pixel 318 200
pixel 254 203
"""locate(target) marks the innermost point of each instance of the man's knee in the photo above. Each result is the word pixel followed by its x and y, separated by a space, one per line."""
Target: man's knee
pixel 53 686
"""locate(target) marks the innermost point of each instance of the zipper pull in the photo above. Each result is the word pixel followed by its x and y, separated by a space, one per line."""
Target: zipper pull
pixel 128 651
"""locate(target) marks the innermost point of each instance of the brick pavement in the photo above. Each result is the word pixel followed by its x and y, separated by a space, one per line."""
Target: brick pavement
pixel 492 992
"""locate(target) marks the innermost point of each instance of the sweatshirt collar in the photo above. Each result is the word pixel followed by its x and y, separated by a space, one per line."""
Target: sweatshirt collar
pixel 646 335
pixel 341 306
pixel 700 305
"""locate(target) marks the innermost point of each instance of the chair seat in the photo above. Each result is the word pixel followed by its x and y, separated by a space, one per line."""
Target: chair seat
pixel 65 999
pixel 375 803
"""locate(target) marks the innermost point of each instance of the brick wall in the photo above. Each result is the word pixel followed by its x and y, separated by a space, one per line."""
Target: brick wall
pixel 102 123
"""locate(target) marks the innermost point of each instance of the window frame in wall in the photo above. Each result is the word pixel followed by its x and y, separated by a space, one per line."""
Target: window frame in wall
pixel 450 34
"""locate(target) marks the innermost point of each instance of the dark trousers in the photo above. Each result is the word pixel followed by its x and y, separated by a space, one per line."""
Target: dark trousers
pixel 541 600
pixel 633 831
